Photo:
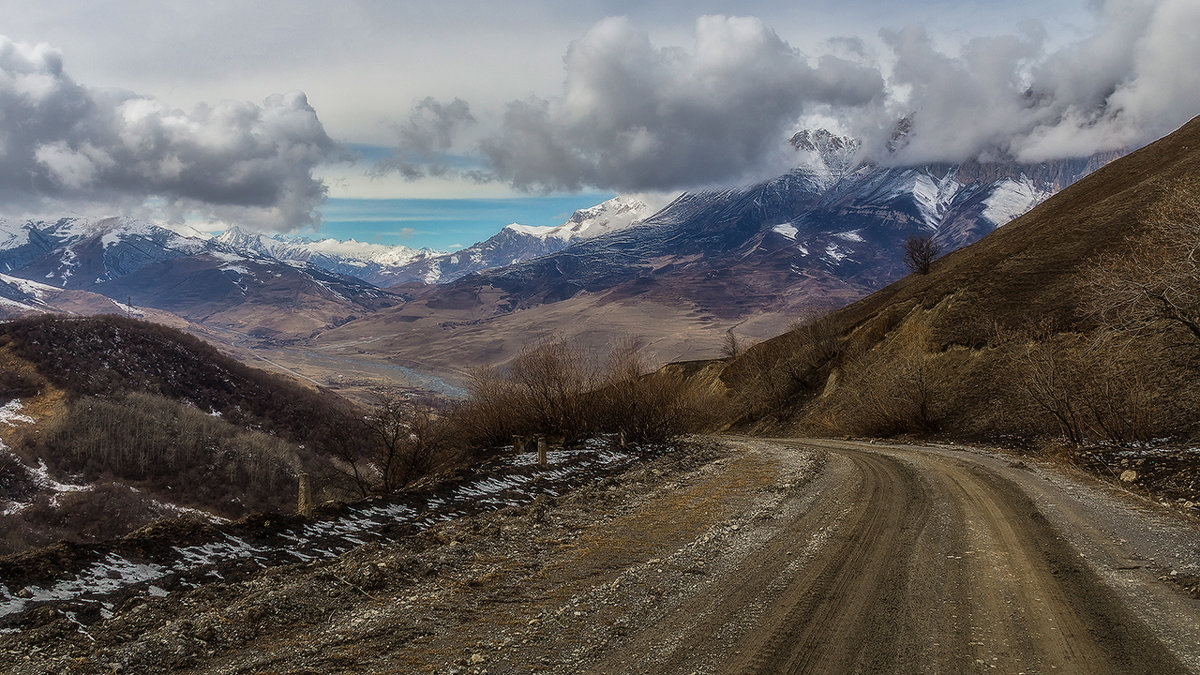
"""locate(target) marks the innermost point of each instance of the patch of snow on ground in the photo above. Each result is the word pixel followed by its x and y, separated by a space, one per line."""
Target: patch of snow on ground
pixel 786 229
pixel 850 235
pixel 834 255
pixel 10 414
pixel 1011 199
pixel 109 574
pixel 41 476
pixel 511 481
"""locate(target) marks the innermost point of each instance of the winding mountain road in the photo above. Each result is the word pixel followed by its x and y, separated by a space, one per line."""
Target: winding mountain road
pixel 929 560
pixel 753 555
pixel 897 558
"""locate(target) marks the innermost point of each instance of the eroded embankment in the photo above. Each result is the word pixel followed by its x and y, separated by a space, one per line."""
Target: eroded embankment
pixel 88 582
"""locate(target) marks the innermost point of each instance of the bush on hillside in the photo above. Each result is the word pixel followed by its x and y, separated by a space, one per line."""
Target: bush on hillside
pixel 110 356
pixel 171 449
pixel 556 388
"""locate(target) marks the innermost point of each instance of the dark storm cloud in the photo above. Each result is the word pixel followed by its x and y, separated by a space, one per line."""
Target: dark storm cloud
pixel 64 144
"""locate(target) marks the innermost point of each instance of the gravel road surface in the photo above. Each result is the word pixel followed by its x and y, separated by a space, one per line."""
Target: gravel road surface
pixel 747 555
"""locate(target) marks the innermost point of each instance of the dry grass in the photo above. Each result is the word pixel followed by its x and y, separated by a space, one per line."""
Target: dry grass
pixel 997 339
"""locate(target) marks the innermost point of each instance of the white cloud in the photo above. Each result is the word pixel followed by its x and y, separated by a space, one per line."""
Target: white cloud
pixel 634 115
pixel 66 144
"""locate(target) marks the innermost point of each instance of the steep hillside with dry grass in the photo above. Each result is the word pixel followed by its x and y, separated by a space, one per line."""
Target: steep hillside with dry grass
pixel 1003 338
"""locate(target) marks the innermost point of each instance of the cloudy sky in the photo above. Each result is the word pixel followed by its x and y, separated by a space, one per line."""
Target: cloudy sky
pixel 290 115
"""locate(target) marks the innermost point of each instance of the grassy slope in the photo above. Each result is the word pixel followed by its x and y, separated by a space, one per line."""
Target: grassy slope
pixel 1026 272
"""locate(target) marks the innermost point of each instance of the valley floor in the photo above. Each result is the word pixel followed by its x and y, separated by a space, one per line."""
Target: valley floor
pixel 742 555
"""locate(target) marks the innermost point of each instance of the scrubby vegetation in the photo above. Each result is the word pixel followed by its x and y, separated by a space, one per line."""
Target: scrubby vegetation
pixel 162 419
pixel 150 418
pixel 1077 325
pixel 172 449
pixel 555 388
pixel 110 356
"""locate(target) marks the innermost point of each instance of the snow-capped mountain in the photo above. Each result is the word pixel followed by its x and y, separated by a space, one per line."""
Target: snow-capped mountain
pixel 377 264
pixel 814 238
pixel 384 265
pixel 80 253
pixel 177 270
pixel 516 243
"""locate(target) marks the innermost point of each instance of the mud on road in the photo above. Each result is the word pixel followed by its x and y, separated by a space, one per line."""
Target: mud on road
pixel 743 555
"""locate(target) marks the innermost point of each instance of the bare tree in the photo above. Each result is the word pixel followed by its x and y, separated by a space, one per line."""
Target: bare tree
pixel 1154 289
pixel 731 346
pixel 919 253
pixel 407 439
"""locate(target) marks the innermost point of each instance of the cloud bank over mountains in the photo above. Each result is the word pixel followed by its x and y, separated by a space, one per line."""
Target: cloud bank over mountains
pixel 635 116
pixel 635 112
pixel 63 144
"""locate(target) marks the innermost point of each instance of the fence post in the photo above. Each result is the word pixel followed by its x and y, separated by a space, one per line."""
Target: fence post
pixel 304 504
pixel 541 451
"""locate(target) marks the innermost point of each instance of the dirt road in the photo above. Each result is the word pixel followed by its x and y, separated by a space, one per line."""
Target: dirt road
pixel 757 556
pixel 914 560
pixel 896 559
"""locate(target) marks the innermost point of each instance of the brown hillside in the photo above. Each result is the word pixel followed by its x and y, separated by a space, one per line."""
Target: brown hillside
pixel 1032 265
pixel 975 347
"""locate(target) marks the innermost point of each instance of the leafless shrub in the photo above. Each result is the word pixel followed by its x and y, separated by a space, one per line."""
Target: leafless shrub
pixel 892 394
pixel 814 344
pixel 1091 386
pixel 553 388
pixel 641 406
pixel 1153 290
pixel 1118 398
pixel 407 439
pixel 1050 375
pixel 919 253
pixel 731 345
pixel 555 379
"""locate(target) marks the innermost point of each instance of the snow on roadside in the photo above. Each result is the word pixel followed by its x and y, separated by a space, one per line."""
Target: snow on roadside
pixel 512 481
pixel 10 414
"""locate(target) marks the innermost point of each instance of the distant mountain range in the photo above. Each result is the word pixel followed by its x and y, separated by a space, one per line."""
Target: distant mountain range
pixel 181 271
pixel 750 258
pixel 395 265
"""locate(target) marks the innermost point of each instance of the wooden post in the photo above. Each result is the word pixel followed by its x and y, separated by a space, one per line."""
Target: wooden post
pixel 621 436
pixel 304 505
pixel 541 451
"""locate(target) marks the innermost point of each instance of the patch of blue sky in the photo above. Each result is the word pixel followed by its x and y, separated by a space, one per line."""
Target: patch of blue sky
pixel 444 224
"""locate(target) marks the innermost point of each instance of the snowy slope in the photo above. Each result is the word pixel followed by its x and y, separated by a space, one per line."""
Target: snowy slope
pixel 374 263
pixel 516 243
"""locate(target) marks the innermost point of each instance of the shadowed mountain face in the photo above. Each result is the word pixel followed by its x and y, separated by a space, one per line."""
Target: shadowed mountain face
pixel 185 273
pixel 754 257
